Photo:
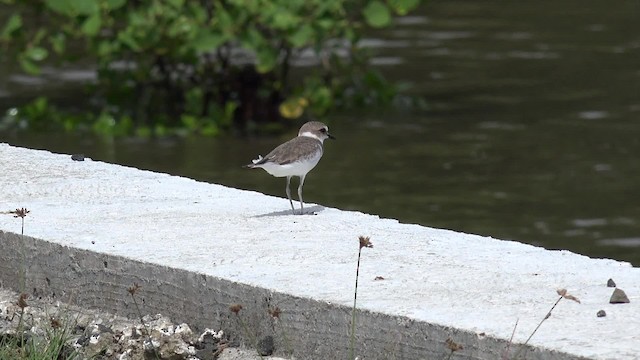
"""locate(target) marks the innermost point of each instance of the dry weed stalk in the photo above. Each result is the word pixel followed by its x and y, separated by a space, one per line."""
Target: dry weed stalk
pixel 452 346
pixel 275 315
pixel 20 213
pixel 235 308
pixel 364 243
pixel 563 295
pixel 133 290
pixel 505 355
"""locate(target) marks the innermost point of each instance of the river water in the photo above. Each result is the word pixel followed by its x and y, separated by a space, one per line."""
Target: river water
pixel 531 133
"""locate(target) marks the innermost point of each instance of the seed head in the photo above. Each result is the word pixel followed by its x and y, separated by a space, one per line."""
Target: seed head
pixel 21 213
pixel 275 312
pixel 452 345
pixel 235 308
pixel 364 242
pixel 566 295
pixel 22 300
pixel 55 323
pixel 134 289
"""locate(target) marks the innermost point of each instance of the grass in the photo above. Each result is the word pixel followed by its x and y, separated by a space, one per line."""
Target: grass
pixel 235 308
pixel 23 345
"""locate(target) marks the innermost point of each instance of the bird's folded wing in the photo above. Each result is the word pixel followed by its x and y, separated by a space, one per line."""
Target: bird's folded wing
pixel 293 150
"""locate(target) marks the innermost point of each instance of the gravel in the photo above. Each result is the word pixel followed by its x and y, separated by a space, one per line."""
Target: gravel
pixel 94 334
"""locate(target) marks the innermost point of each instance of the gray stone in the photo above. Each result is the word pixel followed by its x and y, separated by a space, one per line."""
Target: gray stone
pixel 619 297
pixel 601 313
pixel 611 283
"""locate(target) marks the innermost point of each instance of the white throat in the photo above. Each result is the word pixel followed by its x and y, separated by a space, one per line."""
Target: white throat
pixel 312 135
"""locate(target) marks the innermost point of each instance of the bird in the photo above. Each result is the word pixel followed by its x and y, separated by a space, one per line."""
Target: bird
pixel 296 157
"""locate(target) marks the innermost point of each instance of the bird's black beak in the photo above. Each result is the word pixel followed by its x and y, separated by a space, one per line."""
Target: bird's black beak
pixel 331 136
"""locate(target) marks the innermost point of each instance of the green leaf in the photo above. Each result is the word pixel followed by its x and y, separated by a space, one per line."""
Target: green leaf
pixel 127 39
pixel 208 40
pixel 267 60
pixel 104 124
pixel 321 98
pixel 73 7
pixel 29 66
pixel 115 4
pixel 189 121
pixel 91 26
pixel 39 105
pixel 40 34
pixel 14 23
pixel 252 39
pixel 60 6
pixel 104 48
pixel 176 3
pixel 402 7
pixel 36 53
pixel 182 25
pixel 301 37
pixel 225 21
pixel 85 7
pixel 58 42
pixel 283 19
pixel 377 14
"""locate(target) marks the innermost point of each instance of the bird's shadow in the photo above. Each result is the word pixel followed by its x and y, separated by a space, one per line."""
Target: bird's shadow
pixel 307 211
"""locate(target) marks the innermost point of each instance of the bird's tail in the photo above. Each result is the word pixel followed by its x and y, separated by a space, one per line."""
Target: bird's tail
pixel 253 163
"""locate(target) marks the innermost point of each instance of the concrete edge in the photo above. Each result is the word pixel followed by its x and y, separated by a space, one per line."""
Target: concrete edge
pixel 306 329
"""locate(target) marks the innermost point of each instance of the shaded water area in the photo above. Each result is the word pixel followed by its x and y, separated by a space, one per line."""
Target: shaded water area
pixel 532 132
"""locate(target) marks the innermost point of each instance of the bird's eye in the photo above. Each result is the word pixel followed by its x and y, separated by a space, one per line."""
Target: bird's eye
pixel 323 130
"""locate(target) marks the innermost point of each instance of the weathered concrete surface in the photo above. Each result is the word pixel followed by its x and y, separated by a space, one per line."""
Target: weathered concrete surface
pixel 196 248
pixel 310 329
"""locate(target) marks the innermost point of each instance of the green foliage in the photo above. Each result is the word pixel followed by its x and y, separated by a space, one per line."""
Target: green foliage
pixel 200 66
pixel 52 345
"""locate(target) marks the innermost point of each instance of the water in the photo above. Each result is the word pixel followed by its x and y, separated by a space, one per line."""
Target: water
pixel 531 133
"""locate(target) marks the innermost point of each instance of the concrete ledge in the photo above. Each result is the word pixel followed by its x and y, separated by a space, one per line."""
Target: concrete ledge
pixel 196 248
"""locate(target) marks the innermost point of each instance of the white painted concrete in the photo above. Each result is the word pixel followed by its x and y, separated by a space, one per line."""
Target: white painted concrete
pixel 463 281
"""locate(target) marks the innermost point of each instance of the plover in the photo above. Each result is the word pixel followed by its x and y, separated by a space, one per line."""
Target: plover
pixel 296 157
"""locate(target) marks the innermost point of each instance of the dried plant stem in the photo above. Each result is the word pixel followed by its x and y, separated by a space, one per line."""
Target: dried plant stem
pixel 20 320
pixel 144 324
pixel 286 340
pixel 506 352
pixel 251 337
pixel 352 348
pixel 536 329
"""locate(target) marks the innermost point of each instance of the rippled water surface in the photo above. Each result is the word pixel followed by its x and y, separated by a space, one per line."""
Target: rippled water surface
pixel 532 131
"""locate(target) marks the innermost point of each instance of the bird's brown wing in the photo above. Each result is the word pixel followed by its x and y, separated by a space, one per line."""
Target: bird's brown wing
pixel 292 150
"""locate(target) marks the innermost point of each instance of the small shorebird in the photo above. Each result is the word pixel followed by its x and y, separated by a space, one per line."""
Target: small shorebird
pixel 296 157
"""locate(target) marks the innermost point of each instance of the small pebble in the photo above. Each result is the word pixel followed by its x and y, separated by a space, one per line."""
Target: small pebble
pixel 611 283
pixel 618 297
pixel 601 313
pixel 77 157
